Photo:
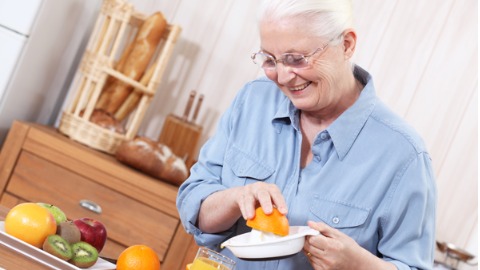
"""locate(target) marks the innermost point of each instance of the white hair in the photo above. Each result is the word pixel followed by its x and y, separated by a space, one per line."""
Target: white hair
pixel 327 18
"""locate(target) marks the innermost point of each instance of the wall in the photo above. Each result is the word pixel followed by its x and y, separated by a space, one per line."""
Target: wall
pixel 422 55
pixel 40 74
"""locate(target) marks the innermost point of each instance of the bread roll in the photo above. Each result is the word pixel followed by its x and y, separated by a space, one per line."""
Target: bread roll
pixel 105 120
pixel 152 158
pixel 142 50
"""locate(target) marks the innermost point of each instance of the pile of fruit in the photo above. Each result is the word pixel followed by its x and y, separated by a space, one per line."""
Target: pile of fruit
pixel 46 226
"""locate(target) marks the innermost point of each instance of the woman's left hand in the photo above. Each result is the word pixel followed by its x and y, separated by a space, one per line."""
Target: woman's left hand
pixel 332 249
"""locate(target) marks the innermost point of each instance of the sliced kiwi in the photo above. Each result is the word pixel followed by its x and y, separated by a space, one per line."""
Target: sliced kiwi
pixel 69 231
pixel 58 247
pixel 84 255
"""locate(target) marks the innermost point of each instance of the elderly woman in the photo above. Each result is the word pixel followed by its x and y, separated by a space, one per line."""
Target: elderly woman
pixel 313 140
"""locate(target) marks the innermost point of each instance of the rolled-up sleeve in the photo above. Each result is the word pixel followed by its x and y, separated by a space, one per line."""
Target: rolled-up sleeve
pixel 203 181
pixel 409 229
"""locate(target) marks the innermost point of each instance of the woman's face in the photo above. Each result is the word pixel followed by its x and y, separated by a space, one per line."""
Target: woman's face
pixel 316 88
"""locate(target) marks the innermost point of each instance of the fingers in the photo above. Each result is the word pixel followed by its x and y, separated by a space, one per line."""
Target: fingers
pixel 279 201
pixel 331 249
pixel 323 228
pixel 312 251
pixel 314 255
pixel 246 203
pixel 261 194
pixel 308 254
pixel 242 204
pixel 316 244
pixel 264 197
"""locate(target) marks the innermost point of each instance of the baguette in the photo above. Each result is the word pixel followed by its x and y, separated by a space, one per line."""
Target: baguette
pixel 120 66
pixel 132 100
pixel 143 48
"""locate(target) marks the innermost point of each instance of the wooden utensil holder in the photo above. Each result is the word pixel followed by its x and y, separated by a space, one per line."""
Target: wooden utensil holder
pixel 114 29
pixel 182 137
pixel 181 134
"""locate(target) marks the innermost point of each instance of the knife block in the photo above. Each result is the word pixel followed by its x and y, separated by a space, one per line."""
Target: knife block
pixel 182 137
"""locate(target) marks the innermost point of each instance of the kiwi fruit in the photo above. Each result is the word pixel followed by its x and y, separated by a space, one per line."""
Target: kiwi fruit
pixel 58 247
pixel 69 231
pixel 84 255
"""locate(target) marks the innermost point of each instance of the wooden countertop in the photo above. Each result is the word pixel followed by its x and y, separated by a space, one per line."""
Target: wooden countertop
pixel 10 259
pixel 36 159
pixel 3 212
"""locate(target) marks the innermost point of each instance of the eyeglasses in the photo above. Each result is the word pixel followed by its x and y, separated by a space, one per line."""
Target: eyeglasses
pixel 293 60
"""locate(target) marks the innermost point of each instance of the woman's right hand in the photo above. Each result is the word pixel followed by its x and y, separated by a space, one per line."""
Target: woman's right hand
pixel 222 209
pixel 260 194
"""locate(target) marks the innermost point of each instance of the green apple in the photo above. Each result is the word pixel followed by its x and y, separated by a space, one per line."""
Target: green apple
pixel 56 212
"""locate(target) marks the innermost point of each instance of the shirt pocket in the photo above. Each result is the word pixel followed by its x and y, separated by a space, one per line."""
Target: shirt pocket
pixel 337 214
pixel 246 166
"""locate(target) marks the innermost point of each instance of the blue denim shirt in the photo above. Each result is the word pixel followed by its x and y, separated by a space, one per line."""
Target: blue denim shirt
pixel 370 177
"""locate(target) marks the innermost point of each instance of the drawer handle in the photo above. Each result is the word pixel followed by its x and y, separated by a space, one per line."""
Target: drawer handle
pixel 89 205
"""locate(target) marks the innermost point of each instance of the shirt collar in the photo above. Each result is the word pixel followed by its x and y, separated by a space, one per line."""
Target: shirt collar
pixel 286 114
pixel 345 129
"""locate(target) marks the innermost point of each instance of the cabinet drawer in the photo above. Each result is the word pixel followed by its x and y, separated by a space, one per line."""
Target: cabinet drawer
pixel 128 221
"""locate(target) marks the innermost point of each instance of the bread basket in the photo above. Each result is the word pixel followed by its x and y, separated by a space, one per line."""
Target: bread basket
pixel 115 28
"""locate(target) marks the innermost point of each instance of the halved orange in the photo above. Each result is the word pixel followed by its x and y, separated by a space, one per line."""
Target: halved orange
pixel 275 222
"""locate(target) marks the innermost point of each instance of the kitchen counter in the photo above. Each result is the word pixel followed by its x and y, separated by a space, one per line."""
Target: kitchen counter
pixel 37 161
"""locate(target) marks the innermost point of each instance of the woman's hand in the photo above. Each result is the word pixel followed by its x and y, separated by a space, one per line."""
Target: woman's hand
pixel 260 194
pixel 222 209
pixel 332 249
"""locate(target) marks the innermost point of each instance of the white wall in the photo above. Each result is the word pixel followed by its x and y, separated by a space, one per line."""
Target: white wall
pixel 51 33
pixel 422 54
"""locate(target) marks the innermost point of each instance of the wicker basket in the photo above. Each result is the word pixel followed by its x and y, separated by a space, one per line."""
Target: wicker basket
pixel 114 29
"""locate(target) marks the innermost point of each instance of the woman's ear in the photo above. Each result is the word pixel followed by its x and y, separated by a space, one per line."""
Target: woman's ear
pixel 349 43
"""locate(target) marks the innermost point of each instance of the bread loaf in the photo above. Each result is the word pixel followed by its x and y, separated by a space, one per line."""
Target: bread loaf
pixel 105 120
pixel 119 66
pixel 134 65
pixel 133 98
pixel 152 158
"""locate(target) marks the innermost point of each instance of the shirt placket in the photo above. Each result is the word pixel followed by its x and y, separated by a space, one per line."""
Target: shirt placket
pixel 322 149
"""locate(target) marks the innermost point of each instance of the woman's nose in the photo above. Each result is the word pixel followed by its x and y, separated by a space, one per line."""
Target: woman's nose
pixel 284 73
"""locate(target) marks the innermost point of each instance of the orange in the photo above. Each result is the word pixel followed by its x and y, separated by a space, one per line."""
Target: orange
pixel 30 223
pixel 138 257
pixel 276 222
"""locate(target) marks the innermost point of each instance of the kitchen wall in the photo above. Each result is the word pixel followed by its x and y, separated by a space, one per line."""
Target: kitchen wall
pixel 423 57
pixel 39 42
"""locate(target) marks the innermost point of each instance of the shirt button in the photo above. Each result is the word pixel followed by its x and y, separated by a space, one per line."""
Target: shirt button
pixel 335 220
pixel 323 136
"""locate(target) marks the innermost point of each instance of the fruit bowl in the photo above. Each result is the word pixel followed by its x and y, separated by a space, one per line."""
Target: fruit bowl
pixel 43 257
pixel 243 246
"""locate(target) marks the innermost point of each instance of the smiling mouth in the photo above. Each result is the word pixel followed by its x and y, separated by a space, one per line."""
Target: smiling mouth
pixel 300 87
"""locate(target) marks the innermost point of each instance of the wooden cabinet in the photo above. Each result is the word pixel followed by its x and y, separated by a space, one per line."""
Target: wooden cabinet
pixel 39 164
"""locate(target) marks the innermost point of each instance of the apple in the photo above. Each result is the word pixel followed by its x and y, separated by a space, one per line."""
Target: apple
pixel 57 213
pixel 92 231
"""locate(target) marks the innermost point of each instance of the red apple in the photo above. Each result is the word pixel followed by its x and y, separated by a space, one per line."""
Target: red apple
pixel 92 231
